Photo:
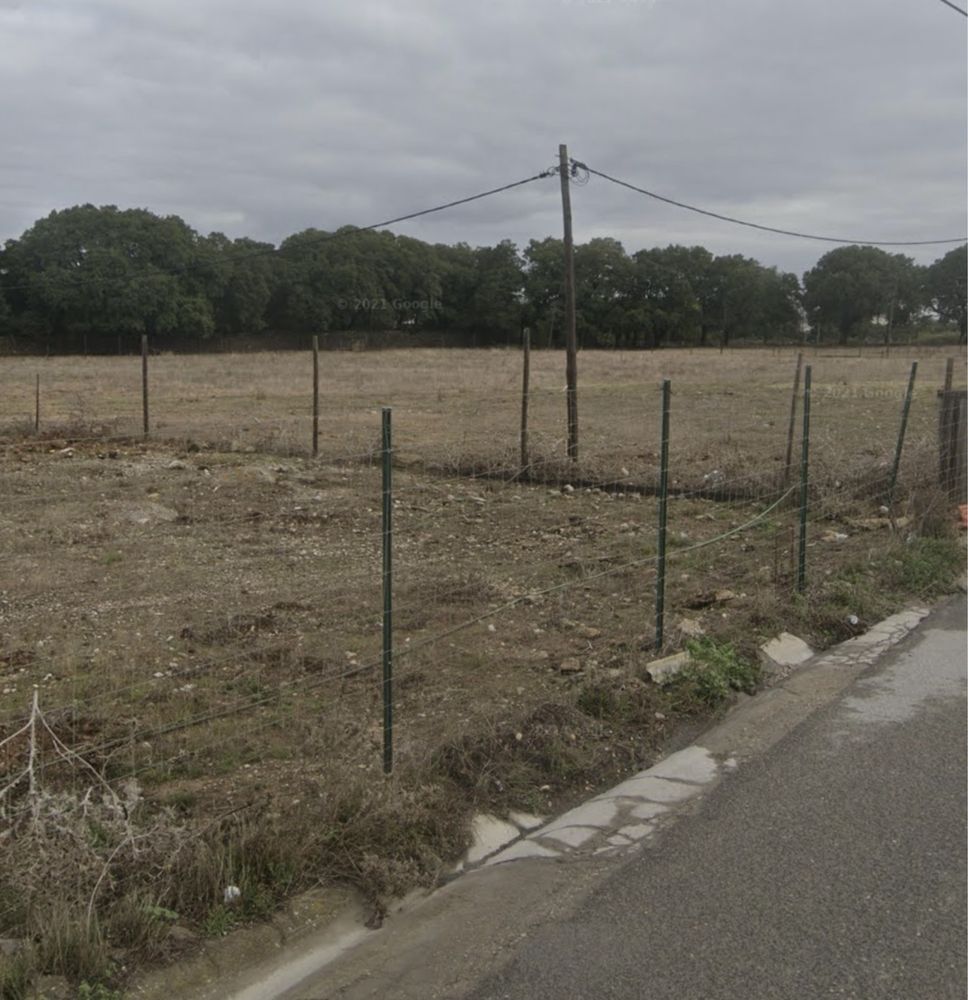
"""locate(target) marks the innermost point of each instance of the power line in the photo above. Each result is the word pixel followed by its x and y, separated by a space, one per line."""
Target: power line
pixel 768 229
pixel 954 7
pixel 324 237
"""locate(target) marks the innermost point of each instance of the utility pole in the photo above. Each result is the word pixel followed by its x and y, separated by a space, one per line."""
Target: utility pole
pixel 571 342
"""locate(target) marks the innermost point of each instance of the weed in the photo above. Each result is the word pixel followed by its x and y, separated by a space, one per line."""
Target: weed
pixel 738 673
pixel 220 921
pixel 709 681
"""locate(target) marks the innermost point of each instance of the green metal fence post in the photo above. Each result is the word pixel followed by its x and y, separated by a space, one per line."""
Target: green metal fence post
pixel 906 409
pixel 804 482
pixel 663 517
pixel 387 592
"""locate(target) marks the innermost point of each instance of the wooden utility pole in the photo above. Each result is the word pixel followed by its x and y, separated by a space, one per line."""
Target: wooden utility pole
pixel 571 341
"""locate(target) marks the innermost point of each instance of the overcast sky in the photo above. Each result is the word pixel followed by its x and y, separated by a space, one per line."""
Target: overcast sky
pixel 841 117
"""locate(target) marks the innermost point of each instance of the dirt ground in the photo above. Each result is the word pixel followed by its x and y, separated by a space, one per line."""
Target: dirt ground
pixel 146 586
pixel 205 616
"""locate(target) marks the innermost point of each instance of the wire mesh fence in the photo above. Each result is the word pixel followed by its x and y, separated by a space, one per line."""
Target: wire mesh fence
pixel 202 613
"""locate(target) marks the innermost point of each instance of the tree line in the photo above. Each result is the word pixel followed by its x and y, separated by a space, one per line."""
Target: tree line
pixel 89 278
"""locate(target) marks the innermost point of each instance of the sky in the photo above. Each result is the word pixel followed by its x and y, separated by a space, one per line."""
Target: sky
pixel 837 117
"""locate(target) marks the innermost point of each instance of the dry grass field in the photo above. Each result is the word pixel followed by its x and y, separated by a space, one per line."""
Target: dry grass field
pixel 730 411
pixel 198 615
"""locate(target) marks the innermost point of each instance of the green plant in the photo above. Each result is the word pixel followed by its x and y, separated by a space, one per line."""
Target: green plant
pixel 708 681
pixel 220 921
pixel 738 673
pixel 97 991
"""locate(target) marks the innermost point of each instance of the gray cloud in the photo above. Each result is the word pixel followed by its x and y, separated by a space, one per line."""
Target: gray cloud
pixel 825 117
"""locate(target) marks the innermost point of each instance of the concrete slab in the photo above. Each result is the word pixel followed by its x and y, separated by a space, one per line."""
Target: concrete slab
pixel 694 764
pixel 648 810
pixel 599 813
pixel 521 851
pixel 663 670
pixel 571 836
pixel 526 821
pixel 644 786
pixel 489 835
pixel 786 650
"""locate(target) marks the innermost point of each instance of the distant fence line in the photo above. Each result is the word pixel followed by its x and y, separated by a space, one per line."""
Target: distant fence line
pixel 98 344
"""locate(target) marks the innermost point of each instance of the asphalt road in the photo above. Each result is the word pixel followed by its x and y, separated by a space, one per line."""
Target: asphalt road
pixel 831 866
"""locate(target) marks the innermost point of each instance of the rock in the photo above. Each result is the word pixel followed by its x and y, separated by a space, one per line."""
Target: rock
pixel 690 628
pixel 567 488
pixel 177 463
pixel 665 668
pixel 66 453
pixel 725 596
pixel 150 513
pixel 833 536
pixel 570 665
pixel 587 632
pixel 785 650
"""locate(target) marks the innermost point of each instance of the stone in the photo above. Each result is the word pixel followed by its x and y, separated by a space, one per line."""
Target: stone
pixel 667 667
pixel 150 513
pixel 570 665
pixel 587 632
pixel 690 628
pixel 785 650
pixel 177 463
pixel 725 596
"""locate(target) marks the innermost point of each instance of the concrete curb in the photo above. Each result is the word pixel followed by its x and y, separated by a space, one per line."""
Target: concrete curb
pixel 636 809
